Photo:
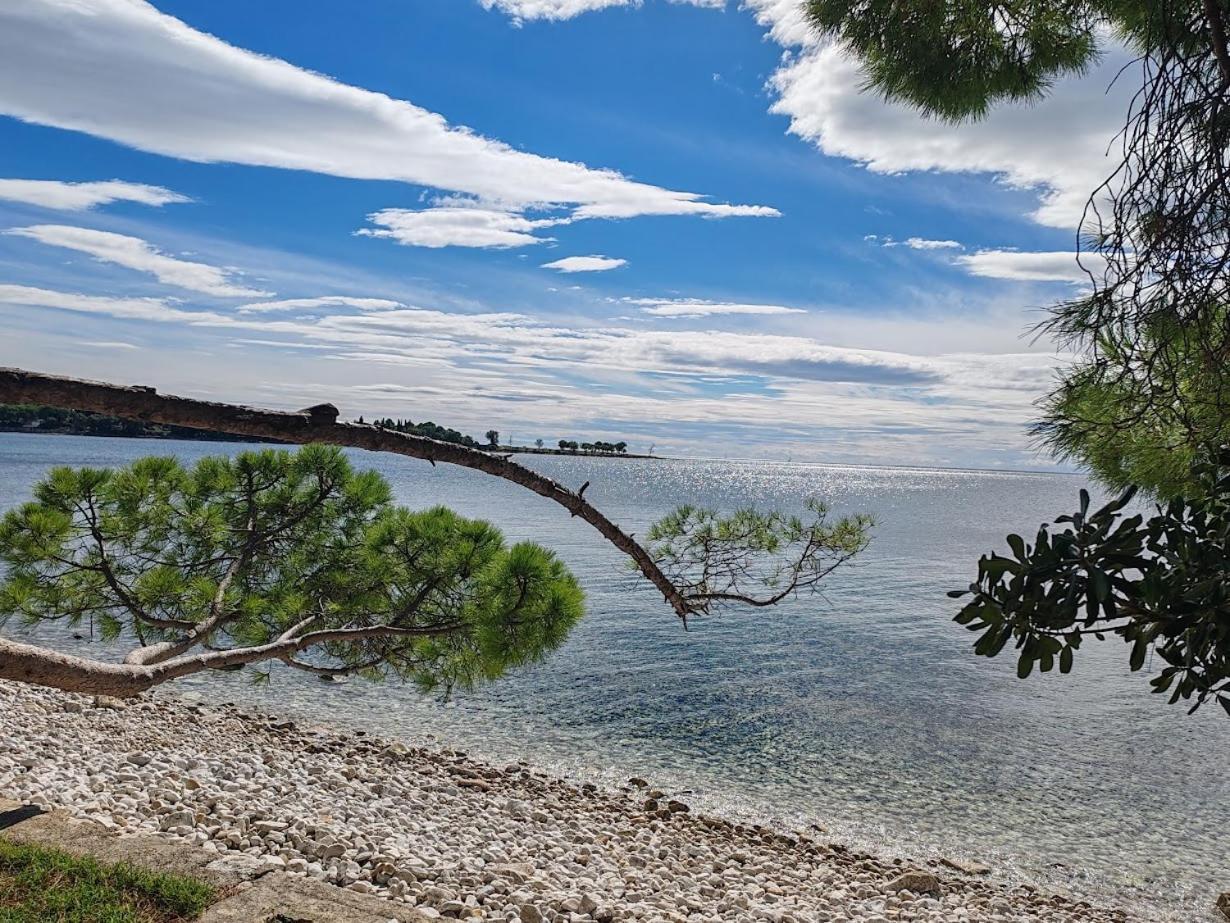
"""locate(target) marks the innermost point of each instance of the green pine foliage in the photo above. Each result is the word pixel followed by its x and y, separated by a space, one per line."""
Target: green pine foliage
pixel 1145 426
pixel 272 542
pixel 752 556
pixel 957 59
pixel 1154 397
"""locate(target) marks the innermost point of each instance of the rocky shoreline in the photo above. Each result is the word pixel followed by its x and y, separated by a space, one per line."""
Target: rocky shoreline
pixel 455 837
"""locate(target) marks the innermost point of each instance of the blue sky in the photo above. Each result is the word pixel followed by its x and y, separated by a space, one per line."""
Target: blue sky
pixel 677 223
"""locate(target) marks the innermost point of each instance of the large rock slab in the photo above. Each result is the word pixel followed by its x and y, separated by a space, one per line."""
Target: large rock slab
pixel 289 897
pixel 56 830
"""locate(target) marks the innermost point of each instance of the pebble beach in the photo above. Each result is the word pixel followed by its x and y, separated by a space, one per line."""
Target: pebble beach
pixel 455 837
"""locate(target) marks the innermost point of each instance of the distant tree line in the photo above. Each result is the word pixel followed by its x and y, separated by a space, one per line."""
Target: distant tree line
pixel 18 418
pixel 428 429
pixel 590 448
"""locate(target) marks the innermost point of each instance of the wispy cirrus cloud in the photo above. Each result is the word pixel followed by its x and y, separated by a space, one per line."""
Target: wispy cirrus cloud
pixel 137 309
pixel 929 401
pixel 500 340
pixel 695 307
pixel 570 264
pixel 141 256
pixel 923 243
pixel 110 344
pixel 122 70
pixel 66 196
pixel 315 304
pixel 914 243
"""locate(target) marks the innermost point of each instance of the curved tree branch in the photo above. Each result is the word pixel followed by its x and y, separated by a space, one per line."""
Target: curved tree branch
pixel 218 615
pixel 781 555
pixel 317 425
pixel 41 666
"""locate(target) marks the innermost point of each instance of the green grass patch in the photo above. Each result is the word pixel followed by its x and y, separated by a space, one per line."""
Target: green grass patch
pixel 39 885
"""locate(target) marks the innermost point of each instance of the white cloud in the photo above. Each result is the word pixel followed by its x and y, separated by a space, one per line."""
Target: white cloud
pixel 922 243
pixel 914 243
pixel 461 221
pixel 1028 266
pixel 785 19
pixel 555 10
pixel 502 340
pixel 121 70
pixel 467 224
pixel 521 10
pixel 1057 146
pixel 627 207
pixel 137 254
pixel 961 403
pixel 692 307
pixel 585 264
pixel 139 309
pixel 64 196
pixel 325 301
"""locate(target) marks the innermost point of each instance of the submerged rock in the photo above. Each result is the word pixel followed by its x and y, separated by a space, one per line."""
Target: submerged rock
pixel 967 868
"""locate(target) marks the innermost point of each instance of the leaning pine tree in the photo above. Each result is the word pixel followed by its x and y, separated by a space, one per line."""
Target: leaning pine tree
pixel 276 557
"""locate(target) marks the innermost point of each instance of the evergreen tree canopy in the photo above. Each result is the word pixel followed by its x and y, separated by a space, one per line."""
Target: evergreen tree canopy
pixel 273 555
pixel 1154 425
pixel 1148 404
pixel 956 59
pixel 295 557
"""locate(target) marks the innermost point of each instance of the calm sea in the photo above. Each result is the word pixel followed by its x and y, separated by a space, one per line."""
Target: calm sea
pixel 861 710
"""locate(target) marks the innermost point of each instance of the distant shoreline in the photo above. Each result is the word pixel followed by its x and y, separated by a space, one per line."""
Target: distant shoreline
pixel 201 435
pixel 567 453
pixel 193 435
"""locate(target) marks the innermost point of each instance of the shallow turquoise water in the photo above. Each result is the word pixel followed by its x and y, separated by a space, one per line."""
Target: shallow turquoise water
pixel 861 710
